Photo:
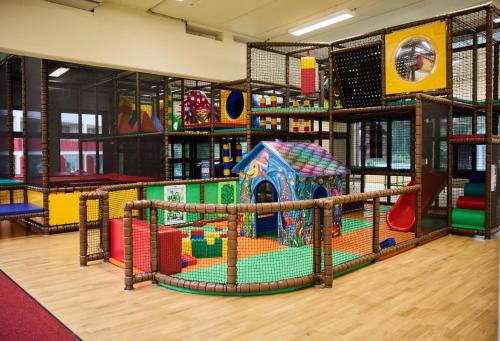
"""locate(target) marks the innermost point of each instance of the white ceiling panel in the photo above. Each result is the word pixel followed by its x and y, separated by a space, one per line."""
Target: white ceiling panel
pixel 271 19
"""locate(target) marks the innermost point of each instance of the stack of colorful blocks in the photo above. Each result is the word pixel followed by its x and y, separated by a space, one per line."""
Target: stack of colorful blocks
pixel 198 244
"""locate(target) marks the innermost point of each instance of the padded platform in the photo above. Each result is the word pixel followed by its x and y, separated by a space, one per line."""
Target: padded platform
pixel 9 182
pixel 96 179
pixel 20 208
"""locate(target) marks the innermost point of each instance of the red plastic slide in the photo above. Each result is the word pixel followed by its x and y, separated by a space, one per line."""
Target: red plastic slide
pixel 401 216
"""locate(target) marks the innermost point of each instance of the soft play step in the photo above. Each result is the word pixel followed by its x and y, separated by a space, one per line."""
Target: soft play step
pixel 474 189
pixel 472 203
pixel 465 218
pixel 478 177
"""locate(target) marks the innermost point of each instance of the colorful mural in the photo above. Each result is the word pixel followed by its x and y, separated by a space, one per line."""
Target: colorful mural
pixel 295 171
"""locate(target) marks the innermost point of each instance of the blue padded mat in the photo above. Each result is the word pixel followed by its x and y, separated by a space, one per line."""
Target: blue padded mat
pixel 21 208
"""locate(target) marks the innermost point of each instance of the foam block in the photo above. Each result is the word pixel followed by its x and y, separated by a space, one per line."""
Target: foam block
pixel 472 203
pixel 189 260
pixel 212 235
pixel 224 248
pixel 387 243
pixel 169 246
pixel 474 189
pixel 215 250
pixel 199 248
pixel 478 177
pixel 465 218
pixel 186 246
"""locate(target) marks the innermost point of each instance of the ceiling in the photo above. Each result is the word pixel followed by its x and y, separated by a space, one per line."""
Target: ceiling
pixel 271 19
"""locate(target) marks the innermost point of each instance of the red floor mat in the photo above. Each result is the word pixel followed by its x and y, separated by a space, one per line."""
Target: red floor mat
pixel 23 318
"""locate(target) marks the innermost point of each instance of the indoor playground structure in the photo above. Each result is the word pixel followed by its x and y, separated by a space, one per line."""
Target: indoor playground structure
pixel 325 158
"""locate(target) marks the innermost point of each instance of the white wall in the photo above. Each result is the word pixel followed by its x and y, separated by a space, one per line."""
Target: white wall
pixel 119 37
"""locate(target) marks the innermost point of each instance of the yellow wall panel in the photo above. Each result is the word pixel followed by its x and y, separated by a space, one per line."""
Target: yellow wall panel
pixel 434 33
pixel 63 208
pixel 117 201
pixel 4 197
pixel 35 198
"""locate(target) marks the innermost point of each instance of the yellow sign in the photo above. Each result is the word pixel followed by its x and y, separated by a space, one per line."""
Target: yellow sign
pixel 415 59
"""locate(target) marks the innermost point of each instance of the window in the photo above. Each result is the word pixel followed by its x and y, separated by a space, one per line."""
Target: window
pixel 18 120
pixel 69 123
pixel 88 124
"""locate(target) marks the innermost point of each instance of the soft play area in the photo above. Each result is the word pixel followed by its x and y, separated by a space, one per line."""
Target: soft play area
pixel 326 158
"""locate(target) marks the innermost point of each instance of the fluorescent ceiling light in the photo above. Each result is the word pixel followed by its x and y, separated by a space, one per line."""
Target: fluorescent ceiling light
pixel 59 71
pixel 497 20
pixel 87 5
pixel 323 22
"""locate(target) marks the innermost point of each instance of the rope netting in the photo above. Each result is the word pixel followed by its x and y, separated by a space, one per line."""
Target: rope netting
pixel 468 35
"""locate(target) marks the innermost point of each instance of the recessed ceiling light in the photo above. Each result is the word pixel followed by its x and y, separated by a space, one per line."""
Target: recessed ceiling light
pixel 323 22
pixel 59 71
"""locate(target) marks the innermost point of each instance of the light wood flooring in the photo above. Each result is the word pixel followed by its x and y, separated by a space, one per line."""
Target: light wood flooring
pixel 444 290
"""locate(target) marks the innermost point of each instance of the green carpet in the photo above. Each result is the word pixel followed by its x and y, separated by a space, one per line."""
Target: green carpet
pixel 272 266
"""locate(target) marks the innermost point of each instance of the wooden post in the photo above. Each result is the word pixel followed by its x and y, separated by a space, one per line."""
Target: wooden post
pixel 449 85
pixel 139 121
pixel 82 224
pixel 44 112
pixel 474 68
pixel 249 98
pixel 317 243
pixel 449 190
pixel 327 245
pixel 202 198
pixel 363 154
pixel 212 138
pixel 232 248
pixel 382 71
pixel 376 225
pixel 105 226
pixel 24 121
pixel 418 165
pixel 10 117
pixel 166 105
pixel 496 57
pixel 128 249
pixel 331 136
pixel 153 238
pixel 489 116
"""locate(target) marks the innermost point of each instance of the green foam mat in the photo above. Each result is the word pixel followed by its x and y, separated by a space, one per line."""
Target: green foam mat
pixel 465 218
pixel 280 264
pixel 474 189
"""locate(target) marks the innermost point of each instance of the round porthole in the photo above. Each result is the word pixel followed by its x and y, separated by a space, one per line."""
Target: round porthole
pixel 415 59
pixel 234 105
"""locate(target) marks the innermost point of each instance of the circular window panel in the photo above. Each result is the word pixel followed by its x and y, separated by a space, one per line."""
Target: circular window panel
pixel 415 59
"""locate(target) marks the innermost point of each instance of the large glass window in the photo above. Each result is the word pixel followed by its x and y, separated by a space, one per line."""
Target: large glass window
pixel 69 123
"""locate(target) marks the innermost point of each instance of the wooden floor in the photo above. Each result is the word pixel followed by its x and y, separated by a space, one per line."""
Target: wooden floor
pixel 445 290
